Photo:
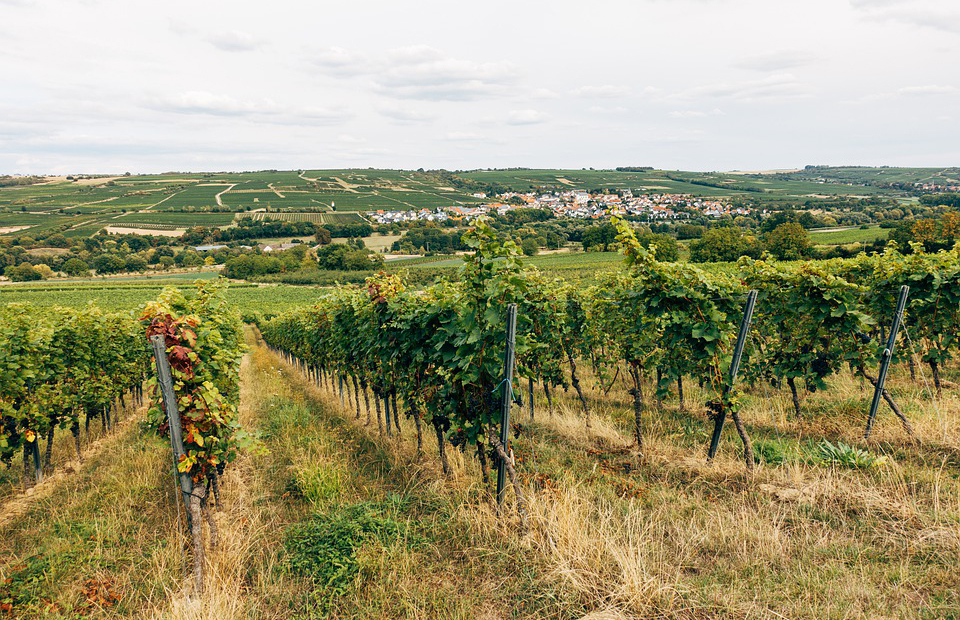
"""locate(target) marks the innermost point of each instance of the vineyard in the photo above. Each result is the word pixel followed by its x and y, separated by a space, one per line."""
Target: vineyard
pixel 356 462
pixel 441 349
pixel 316 218
pixel 61 368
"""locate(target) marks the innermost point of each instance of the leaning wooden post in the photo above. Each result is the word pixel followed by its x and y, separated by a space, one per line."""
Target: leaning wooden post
pixel 37 467
pixel 530 390
pixel 885 359
pixel 508 361
pixel 165 381
pixel 721 415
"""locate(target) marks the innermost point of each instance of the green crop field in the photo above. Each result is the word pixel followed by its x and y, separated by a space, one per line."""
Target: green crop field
pixel 114 294
pixel 849 235
pixel 174 219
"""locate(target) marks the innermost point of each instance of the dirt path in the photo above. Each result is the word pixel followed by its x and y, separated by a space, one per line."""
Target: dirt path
pixel 217 197
pixel 95 202
pixel 348 187
pixel 275 190
pixel 376 193
pixel 162 201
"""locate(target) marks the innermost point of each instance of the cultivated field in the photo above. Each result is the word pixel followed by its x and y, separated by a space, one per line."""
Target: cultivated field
pixel 188 199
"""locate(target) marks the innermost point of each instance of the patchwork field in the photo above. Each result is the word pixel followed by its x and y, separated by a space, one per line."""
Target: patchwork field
pixel 191 199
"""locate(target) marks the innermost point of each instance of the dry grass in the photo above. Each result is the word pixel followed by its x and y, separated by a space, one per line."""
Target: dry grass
pixel 613 533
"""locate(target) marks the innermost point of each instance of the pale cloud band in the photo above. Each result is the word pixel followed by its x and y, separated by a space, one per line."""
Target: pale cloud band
pixel 104 85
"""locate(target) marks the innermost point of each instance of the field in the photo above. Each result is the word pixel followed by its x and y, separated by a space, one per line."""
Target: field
pixel 316 218
pixel 697 183
pixel 860 175
pixel 848 235
pixel 185 199
pixel 121 294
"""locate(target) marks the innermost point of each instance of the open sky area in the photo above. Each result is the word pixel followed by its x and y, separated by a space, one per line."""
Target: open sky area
pixel 104 86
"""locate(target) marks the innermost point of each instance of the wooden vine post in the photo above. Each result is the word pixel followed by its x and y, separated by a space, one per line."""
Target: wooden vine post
pixel 191 501
pixel 165 381
pixel 508 363
pixel 879 391
pixel 721 415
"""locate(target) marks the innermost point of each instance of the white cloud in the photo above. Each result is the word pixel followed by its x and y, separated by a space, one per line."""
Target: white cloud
pixel 771 89
pixel 424 73
pixel 235 41
pixel 525 117
pixel 921 92
pixel 348 139
pixel 695 113
pixel 604 91
pixel 419 72
pixel 936 14
pixel 930 89
pixel 211 104
pixel 544 93
pixel 463 136
pixel 603 109
pixel 339 61
pixel 777 60
pixel 405 113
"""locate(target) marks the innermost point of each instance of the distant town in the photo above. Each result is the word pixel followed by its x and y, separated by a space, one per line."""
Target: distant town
pixel 578 204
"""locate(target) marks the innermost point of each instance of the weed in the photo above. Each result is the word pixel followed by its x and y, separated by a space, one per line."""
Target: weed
pixel 324 548
pixel 316 483
pixel 772 452
pixel 19 588
pixel 846 456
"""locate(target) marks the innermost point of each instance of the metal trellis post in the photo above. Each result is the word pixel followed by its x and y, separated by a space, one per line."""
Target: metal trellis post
pixel 734 369
pixel 508 362
pixel 886 357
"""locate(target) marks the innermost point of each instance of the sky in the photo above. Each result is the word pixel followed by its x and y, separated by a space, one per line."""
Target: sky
pixel 109 86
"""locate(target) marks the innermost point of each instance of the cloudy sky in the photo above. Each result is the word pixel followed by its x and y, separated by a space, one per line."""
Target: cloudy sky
pixel 113 86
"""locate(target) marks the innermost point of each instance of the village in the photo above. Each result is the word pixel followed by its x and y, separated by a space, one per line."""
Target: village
pixel 577 204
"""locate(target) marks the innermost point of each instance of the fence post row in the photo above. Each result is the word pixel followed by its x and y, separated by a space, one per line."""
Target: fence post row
pixel 508 362
pixel 734 369
pixel 885 358
pixel 165 380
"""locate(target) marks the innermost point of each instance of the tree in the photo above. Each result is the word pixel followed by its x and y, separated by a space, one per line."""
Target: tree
pixel 57 241
pixel 789 241
pixel 45 271
pixel 722 244
pixel 690 231
pixel 323 236
pixel 24 272
pixel 599 236
pixel 76 267
pixel 108 263
pixel 529 246
pixel 668 250
pixel 135 263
